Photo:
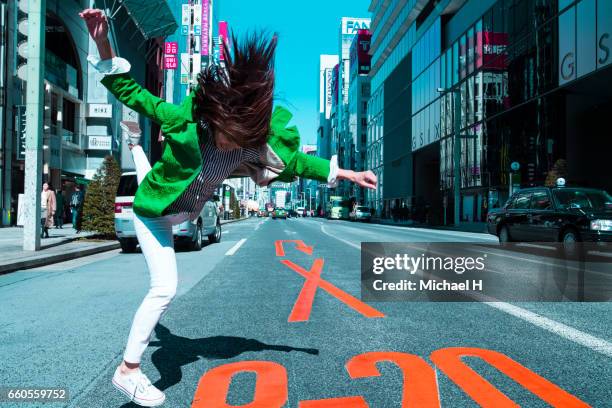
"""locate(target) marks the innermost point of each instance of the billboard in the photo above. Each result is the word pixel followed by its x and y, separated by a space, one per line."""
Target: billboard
pixel 351 25
pixel 359 57
pixel 494 54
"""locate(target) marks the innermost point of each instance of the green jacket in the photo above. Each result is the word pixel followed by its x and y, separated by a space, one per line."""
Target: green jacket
pixel 181 159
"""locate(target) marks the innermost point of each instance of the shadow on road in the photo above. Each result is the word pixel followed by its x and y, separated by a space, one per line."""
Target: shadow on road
pixel 177 351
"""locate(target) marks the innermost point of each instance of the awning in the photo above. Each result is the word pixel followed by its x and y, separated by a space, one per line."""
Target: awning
pixel 153 18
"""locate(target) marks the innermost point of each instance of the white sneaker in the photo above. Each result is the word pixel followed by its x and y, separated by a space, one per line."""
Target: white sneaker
pixel 137 387
pixel 131 132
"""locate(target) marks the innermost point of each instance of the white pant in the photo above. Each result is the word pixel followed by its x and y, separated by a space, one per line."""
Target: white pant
pixel 157 245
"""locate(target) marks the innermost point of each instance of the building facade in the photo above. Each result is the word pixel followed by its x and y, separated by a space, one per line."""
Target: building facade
pixel 81 119
pixel 341 135
pixel 326 99
pixel 530 78
pixel 358 96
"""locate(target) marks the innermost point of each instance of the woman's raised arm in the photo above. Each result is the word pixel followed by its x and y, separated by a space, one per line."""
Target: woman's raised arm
pixel 117 80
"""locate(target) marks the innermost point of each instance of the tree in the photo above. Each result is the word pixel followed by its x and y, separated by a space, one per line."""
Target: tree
pixel 559 169
pixel 99 205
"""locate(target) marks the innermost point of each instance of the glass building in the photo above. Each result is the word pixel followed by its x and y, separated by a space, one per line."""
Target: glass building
pixel 532 77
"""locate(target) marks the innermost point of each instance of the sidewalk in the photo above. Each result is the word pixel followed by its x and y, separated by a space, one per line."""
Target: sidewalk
pixel 480 227
pixel 62 245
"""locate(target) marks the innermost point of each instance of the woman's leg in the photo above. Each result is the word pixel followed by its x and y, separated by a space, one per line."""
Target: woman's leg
pixel 157 245
pixel 141 162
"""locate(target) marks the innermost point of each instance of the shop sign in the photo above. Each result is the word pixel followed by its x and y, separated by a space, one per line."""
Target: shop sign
pixel 99 143
pixel 100 110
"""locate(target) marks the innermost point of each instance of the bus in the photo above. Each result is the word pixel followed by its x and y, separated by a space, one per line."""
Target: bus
pixel 338 208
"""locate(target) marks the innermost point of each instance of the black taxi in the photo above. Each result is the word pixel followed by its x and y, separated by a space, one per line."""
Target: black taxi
pixel 554 214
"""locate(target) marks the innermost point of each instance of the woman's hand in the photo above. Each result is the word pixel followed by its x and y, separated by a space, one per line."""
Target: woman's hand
pixel 97 25
pixel 361 178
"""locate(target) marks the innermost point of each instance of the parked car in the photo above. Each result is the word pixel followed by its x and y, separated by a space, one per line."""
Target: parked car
pixel 360 213
pixel 554 214
pixel 279 213
pixel 208 223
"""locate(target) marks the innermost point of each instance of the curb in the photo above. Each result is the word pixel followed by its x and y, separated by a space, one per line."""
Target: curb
pixel 43 260
pixel 427 226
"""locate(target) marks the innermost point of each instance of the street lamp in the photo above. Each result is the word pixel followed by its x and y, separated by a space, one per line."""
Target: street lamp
pixel 456 148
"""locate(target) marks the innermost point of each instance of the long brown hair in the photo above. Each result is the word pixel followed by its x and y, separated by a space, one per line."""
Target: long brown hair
pixel 237 99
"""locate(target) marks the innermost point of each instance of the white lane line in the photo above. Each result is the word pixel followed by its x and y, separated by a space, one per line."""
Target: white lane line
pixel 354 245
pixel 594 343
pixel 236 247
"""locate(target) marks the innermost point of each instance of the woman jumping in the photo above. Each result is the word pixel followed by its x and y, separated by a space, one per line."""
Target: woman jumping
pixel 225 127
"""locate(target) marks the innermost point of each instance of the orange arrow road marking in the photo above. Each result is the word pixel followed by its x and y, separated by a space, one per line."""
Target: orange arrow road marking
pixel 303 304
pixel 300 246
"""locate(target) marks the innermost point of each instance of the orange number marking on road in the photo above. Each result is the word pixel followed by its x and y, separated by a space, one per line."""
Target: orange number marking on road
pixel 420 385
pixel 342 402
pixel 484 393
pixel 303 304
pixel 270 385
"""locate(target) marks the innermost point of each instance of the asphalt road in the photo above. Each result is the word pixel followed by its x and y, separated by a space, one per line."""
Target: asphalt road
pixel 242 307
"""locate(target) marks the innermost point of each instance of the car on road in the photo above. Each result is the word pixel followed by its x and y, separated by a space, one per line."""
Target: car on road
pixel 279 213
pixel 554 214
pixel 262 213
pixel 301 211
pixel 360 213
pixel 338 208
pixel 208 223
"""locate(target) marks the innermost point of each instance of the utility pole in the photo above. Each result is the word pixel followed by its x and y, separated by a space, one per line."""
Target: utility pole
pixel 34 109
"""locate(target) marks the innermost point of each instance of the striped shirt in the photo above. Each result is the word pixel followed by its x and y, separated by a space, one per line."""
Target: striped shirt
pixel 217 166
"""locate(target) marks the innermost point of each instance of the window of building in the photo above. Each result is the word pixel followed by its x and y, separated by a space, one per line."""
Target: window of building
pixel 69 122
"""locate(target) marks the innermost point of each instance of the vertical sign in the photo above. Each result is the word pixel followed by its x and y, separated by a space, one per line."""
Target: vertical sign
pixel 197 19
pixel 185 19
pixel 222 39
pixel 184 68
pixel 328 92
pixel 170 58
pixel 197 63
pixel 204 30
pixel 20 129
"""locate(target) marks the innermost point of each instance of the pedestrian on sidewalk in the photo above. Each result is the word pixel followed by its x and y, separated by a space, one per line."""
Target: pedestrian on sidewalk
pixel 47 209
pixel 76 203
pixel 59 213
pixel 225 127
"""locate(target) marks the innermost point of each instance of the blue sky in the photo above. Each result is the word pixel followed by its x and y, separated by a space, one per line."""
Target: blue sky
pixel 306 29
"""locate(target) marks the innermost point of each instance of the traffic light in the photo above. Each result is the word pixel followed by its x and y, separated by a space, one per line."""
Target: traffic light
pixel 22 38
